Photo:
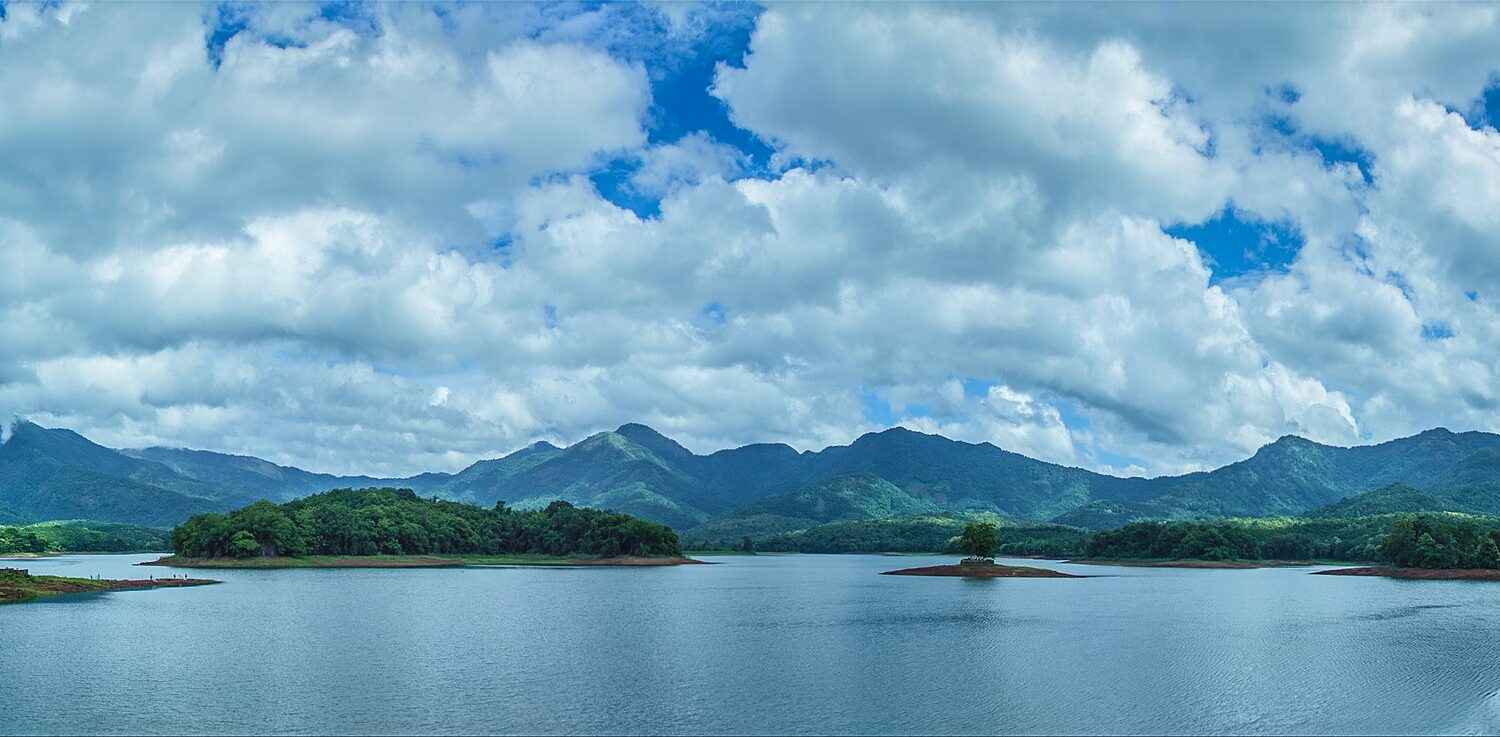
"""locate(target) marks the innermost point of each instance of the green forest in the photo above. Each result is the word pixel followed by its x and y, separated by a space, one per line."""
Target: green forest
pixel 1423 541
pixel 398 522
pixel 1194 540
pixel 82 536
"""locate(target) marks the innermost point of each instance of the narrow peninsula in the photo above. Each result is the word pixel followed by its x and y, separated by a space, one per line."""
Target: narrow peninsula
pixel 19 586
pixel 1418 574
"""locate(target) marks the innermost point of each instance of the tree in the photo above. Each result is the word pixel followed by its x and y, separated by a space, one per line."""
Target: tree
pixel 243 545
pixel 979 540
pixel 747 545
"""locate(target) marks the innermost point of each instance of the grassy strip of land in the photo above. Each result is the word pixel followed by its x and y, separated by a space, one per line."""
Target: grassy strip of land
pixel 413 561
pixel 1424 574
pixel 18 586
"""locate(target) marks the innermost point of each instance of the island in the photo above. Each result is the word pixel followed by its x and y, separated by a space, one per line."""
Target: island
pixel 394 528
pixel 978 542
pixel 17 585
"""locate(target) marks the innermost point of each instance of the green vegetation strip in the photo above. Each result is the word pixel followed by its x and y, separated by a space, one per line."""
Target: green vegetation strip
pixel 18 586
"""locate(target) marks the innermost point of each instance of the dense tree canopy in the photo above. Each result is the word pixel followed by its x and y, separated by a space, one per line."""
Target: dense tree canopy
pixel 1175 540
pixel 1422 541
pixel 398 522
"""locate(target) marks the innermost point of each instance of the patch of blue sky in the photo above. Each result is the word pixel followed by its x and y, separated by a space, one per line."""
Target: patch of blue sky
pixel 1282 126
pixel 877 411
pixel 1489 104
pixel 1235 244
pixel 1073 416
pixel 975 388
pixel 681 64
pixel 613 181
pixel 1436 331
pixel 1337 151
pixel 229 19
pixel 1484 111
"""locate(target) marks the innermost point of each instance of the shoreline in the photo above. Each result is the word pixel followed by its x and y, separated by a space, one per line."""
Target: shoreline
pixel 984 571
pixel 1192 563
pixel 1418 574
pixel 27 588
pixel 418 561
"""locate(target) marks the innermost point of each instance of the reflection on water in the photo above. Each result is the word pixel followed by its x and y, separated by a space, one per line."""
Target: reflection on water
pixel 765 644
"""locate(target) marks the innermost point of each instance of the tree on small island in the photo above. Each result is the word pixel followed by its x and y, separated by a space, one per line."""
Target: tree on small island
pixel 978 542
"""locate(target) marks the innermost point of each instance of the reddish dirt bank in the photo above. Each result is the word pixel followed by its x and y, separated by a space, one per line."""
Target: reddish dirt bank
pixel 1180 563
pixel 1425 574
pixel 982 572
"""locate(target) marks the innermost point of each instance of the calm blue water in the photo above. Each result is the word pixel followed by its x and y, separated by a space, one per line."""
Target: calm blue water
pixel 766 644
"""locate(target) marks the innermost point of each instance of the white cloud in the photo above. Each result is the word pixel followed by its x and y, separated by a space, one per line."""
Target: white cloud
pixel 288 247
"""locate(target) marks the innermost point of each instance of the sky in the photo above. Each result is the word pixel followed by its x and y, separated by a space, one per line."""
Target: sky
pixel 1139 238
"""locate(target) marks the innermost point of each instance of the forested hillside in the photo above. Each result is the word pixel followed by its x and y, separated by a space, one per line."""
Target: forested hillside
pixel 81 535
pixel 765 489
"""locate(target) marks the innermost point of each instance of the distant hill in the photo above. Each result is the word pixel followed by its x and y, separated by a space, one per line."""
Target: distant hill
pixel 765 489
pixel 58 474
pixel 82 536
pixel 261 479
pixel 1395 498
pixel 1293 476
pixel 852 497
pixel 935 533
pixel 641 472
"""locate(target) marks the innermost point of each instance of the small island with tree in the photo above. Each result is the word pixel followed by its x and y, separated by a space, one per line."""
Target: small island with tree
pixel 394 528
pixel 978 543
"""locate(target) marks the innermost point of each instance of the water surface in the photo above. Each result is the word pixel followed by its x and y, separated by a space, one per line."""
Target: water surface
pixel 764 644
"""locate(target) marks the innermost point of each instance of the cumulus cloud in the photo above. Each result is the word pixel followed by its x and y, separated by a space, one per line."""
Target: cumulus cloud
pixel 373 244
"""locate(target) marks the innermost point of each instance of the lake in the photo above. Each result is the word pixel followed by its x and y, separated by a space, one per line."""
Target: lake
pixel 763 644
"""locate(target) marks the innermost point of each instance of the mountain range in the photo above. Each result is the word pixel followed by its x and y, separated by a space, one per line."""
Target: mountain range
pixel 765 489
